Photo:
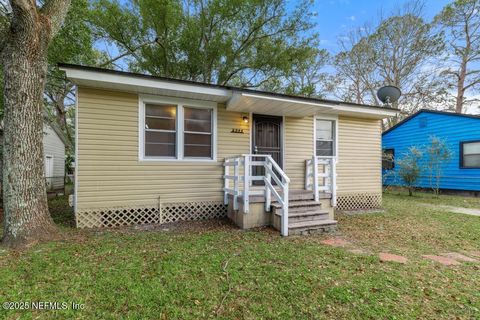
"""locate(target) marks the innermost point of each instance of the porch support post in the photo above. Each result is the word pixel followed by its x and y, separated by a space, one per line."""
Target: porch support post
pixel 268 178
pixel 315 179
pixel 246 184
pixel 236 181
pixel 225 183
pixel 334 182
pixel 307 174
pixel 285 210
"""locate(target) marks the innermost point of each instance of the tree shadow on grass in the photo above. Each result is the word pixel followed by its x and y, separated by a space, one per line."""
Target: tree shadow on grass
pixel 62 214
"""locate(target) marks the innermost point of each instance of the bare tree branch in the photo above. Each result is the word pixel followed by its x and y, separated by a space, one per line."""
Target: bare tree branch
pixel 128 53
pixel 21 17
pixel 55 11
pixel 471 84
pixel 24 5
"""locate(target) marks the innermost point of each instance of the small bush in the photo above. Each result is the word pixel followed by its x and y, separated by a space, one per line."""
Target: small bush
pixel 410 168
pixel 438 154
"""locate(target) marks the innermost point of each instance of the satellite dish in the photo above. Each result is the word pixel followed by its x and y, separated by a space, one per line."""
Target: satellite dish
pixel 388 94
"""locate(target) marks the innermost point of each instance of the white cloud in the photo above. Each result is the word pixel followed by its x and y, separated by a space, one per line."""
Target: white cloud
pixel 352 18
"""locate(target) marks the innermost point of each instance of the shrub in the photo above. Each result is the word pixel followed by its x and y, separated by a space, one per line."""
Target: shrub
pixel 438 153
pixel 410 168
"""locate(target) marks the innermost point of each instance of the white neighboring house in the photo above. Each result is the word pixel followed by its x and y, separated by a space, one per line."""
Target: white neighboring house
pixel 54 143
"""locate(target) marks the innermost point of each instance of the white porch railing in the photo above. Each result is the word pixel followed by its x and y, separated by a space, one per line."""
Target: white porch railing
pixel 321 176
pixel 242 179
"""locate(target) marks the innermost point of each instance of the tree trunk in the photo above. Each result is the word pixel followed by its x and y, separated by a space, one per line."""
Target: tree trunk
pixel 463 71
pixel 27 218
pixel 59 102
pixel 460 88
pixel 24 193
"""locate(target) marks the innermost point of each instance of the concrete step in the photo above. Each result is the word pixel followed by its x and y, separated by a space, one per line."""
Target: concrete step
pixel 311 227
pixel 293 195
pixel 317 215
pixel 298 206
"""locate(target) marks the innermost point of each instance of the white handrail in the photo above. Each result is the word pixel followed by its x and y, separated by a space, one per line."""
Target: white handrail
pixel 272 171
pixel 329 177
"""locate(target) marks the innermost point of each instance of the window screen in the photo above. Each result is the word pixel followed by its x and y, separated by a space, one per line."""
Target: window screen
pixel 325 144
pixel 160 130
pixel 197 132
pixel 388 159
pixel 470 154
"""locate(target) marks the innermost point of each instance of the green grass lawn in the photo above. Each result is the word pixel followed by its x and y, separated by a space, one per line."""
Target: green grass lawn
pixel 231 274
pixel 449 200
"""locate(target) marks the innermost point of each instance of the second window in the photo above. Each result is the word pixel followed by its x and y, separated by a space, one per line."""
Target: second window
pixel 325 138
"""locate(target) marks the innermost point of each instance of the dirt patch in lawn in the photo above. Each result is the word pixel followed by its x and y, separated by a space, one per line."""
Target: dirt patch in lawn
pixel 469 211
pixel 195 227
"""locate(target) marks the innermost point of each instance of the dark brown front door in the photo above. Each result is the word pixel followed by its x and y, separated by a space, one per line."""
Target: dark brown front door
pixel 267 139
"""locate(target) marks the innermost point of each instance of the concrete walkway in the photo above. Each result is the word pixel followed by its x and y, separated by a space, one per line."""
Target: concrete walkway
pixel 446 259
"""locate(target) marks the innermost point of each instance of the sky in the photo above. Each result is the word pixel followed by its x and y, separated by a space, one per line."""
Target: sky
pixel 337 17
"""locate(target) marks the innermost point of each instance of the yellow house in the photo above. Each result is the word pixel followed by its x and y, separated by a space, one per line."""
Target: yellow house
pixel 157 150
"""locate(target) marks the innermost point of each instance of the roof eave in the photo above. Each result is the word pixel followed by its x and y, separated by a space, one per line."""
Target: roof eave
pixel 144 84
pixel 286 106
pixel 128 83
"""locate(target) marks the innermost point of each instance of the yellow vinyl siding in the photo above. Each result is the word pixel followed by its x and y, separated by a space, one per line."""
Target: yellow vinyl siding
pixel 110 173
pixel 298 148
pixel 359 156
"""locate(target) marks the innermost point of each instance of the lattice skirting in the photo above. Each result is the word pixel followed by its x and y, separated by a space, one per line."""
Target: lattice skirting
pixel 359 201
pixel 149 213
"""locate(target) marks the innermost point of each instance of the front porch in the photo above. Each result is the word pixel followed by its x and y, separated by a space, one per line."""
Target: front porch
pixel 257 193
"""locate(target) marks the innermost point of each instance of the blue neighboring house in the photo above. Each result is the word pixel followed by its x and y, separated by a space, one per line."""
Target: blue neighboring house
pixel 460 131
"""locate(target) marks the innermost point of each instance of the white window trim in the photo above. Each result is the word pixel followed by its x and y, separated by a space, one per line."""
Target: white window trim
pixel 180 103
pixel 333 118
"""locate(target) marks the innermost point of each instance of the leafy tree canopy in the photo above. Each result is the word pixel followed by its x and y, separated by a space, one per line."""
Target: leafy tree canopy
pixel 248 43
pixel 73 44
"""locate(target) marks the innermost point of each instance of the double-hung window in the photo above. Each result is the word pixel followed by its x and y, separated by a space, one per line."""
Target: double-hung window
pixel 388 159
pixel 160 130
pixel 177 131
pixel 325 138
pixel 198 133
pixel 470 155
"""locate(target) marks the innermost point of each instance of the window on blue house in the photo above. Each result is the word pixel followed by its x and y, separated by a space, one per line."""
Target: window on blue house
pixel 470 155
pixel 388 161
